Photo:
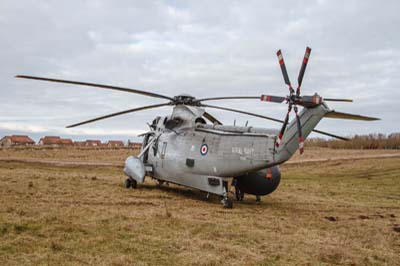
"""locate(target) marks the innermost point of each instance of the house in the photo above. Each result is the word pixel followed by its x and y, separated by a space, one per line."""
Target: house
pixel 80 143
pixel 66 142
pixel 16 140
pixel 50 141
pixel 93 143
pixel 115 143
pixel 134 145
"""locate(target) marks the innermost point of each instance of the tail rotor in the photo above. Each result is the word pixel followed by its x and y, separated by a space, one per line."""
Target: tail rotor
pixel 293 99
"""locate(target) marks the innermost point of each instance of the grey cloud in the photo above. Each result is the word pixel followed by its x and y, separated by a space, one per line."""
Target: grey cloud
pixel 203 48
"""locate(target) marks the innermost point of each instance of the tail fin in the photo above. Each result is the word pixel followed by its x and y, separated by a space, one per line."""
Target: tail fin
pixel 339 115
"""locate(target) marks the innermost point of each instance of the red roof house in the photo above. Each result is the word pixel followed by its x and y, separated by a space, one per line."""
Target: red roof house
pixel 66 142
pixel 50 140
pixel 16 140
pixel 134 145
pixel 93 143
pixel 115 143
pixel 80 143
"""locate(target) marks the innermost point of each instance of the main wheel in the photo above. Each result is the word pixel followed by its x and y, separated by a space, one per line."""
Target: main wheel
pixel 133 183
pixel 128 183
pixel 227 203
pixel 239 194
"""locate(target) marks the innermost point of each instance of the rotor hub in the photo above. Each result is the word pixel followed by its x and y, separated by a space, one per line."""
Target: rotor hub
pixel 184 99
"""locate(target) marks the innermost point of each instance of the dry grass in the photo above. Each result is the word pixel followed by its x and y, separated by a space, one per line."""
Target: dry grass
pixel 336 213
pixel 68 154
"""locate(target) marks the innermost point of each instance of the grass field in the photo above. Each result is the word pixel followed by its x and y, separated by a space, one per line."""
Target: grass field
pixel 334 213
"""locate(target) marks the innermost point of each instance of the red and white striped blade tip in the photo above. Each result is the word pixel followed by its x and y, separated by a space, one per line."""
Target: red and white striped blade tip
pixel 301 146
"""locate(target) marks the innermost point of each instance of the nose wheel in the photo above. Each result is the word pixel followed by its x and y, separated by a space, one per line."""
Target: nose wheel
pixel 130 183
pixel 227 203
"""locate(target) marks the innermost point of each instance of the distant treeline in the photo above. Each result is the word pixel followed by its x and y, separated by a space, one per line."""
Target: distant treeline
pixel 371 141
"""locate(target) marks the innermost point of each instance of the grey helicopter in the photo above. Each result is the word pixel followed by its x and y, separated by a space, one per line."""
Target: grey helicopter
pixel 191 147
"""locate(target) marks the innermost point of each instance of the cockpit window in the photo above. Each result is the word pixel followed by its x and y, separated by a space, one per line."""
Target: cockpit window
pixel 200 120
pixel 172 123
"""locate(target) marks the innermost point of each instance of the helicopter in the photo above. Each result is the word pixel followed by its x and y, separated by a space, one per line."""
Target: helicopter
pixel 191 147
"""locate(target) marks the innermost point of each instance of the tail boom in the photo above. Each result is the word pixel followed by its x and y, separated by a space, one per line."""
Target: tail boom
pixel 309 119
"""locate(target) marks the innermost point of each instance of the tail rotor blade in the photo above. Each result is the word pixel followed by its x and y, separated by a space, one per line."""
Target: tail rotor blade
pixel 285 122
pixel 301 142
pixel 284 71
pixel 303 69
pixel 270 98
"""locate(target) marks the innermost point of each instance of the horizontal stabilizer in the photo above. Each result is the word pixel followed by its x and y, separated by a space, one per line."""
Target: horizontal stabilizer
pixel 339 115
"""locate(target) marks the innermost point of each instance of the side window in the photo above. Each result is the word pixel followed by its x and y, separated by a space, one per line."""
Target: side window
pixel 155 148
pixel 164 149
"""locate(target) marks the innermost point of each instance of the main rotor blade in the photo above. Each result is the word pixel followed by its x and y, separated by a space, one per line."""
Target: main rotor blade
pixel 337 100
pixel 151 94
pixel 270 118
pixel 212 118
pixel 241 112
pixel 271 98
pixel 227 98
pixel 119 113
pixel 330 135
pixel 339 115
pixel 303 69
pixel 284 71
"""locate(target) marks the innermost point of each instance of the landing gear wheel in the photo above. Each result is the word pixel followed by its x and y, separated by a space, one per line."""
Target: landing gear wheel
pixel 239 194
pixel 227 203
pixel 127 183
pixel 134 183
pixel 258 199
pixel 130 183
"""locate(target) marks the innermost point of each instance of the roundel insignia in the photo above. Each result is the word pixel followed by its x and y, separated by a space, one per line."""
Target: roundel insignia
pixel 204 149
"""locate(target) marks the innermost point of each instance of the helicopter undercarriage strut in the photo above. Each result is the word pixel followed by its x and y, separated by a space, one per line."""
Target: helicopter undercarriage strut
pixel 226 201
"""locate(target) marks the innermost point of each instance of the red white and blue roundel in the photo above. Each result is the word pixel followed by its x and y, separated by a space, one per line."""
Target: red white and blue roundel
pixel 204 149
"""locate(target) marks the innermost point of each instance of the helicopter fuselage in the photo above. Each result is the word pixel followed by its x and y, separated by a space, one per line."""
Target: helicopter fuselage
pixel 190 152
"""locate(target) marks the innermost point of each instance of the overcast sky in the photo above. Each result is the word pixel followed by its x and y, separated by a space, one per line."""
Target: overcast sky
pixel 204 48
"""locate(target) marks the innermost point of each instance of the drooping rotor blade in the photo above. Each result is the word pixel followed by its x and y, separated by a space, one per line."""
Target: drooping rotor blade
pixel 212 118
pixel 227 98
pixel 303 69
pixel 330 135
pixel 338 100
pixel 271 98
pixel 270 118
pixel 119 113
pixel 339 115
pixel 146 133
pixel 241 112
pixel 151 94
pixel 284 71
